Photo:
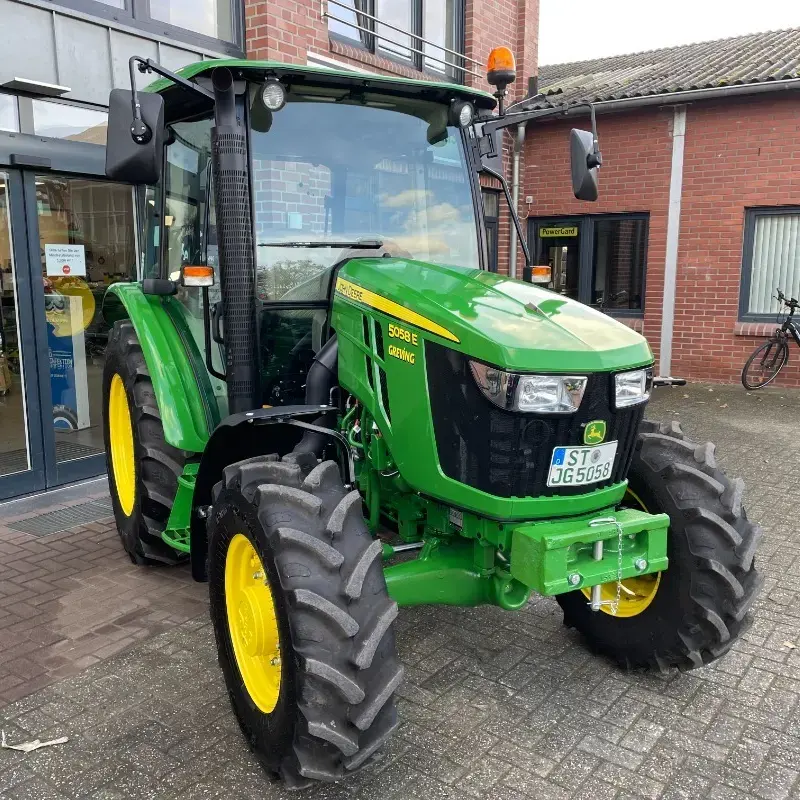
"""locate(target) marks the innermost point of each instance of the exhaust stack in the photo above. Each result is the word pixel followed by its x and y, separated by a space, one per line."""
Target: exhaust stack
pixel 235 238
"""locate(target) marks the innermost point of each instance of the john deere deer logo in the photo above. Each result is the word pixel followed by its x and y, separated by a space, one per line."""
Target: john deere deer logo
pixel 594 432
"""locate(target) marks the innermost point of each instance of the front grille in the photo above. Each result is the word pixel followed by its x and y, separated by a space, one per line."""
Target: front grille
pixel 507 454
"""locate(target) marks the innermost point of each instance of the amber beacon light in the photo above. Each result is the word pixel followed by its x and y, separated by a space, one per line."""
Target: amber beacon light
pixel 501 69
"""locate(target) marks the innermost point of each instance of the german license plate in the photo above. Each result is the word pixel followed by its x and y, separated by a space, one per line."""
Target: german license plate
pixel 579 466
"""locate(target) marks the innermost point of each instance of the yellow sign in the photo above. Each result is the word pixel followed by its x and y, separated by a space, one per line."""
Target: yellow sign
pixel 555 231
pixel 360 295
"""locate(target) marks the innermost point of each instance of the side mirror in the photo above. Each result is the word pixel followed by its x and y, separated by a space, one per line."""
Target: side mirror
pixel 585 161
pixel 127 159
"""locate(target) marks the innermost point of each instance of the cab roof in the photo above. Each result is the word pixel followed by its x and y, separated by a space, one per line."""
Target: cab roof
pixel 296 74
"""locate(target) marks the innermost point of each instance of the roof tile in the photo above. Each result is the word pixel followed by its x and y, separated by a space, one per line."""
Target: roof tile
pixel 755 58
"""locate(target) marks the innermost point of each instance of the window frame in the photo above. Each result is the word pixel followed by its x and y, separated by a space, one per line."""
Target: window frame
pixel 136 14
pixel 586 223
pixel 751 215
pixel 416 35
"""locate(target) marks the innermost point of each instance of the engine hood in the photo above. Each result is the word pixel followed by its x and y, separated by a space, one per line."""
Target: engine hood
pixel 508 323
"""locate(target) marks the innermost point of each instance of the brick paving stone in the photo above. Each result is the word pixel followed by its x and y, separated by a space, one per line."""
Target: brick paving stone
pixel 497 706
pixel 52 625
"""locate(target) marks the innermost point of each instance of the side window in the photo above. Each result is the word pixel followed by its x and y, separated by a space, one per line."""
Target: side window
pixel 187 175
pixel 186 235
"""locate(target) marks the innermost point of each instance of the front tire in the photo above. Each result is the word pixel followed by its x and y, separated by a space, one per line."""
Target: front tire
pixel 142 468
pixel 701 602
pixel 310 671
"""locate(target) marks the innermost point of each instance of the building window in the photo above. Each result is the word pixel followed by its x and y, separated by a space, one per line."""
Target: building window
pixel 9 121
pixel 427 34
pixel 619 251
pixel 771 260
pixel 63 121
pixel 212 18
pixel 599 260
pixel 491 219
pixel 214 24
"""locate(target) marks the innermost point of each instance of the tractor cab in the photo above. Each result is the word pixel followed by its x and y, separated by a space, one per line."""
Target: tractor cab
pixel 332 166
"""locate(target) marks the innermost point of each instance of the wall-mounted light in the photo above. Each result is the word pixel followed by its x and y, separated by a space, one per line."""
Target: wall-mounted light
pixel 35 87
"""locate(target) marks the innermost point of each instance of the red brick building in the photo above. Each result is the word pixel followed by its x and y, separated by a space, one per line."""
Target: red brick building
pixel 698 220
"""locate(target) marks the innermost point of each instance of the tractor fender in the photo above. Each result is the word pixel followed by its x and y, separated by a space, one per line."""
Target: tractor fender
pixel 188 413
pixel 246 435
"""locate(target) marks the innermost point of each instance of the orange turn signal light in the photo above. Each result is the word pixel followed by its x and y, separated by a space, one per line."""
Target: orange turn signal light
pixel 198 276
pixel 501 59
pixel 541 274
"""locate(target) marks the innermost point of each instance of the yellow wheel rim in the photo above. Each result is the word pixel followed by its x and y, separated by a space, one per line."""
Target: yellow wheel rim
pixel 637 593
pixel 252 623
pixel 121 435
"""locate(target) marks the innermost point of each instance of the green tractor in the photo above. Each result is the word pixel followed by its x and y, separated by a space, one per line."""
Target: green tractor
pixel 321 397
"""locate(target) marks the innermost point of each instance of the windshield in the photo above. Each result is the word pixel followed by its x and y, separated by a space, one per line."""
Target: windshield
pixel 341 169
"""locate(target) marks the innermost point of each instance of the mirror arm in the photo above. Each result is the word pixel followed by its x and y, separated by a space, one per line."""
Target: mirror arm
pixel 488 127
pixel 514 216
pixel 140 132
pixel 493 124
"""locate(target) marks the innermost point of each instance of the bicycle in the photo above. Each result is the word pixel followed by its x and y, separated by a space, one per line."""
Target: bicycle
pixel 771 357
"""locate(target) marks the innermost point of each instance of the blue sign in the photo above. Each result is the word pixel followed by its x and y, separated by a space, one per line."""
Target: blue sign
pixel 65 344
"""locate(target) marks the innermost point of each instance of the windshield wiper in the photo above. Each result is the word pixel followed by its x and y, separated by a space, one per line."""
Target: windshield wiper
pixel 365 244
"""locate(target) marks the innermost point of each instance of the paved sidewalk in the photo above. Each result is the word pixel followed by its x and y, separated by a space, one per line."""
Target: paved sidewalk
pixel 501 706
pixel 71 598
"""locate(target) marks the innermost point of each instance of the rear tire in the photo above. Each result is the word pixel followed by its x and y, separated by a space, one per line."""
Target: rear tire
pixel 333 706
pixel 765 363
pixel 143 500
pixel 702 601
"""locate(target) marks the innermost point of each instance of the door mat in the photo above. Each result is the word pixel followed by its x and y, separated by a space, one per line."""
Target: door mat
pixel 64 518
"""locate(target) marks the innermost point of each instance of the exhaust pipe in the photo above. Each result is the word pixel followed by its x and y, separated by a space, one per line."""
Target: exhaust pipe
pixel 235 239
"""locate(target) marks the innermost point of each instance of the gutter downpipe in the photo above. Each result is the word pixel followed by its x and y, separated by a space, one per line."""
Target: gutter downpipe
pixel 673 241
pixel 519 141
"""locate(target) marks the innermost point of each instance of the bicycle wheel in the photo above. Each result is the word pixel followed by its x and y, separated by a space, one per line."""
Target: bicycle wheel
pixel 765 363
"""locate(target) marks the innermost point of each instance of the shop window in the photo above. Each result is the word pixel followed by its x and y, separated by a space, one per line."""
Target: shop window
pixel 9 121
pixel 599 260
pixel 63 121
pixel 619 253
pixel 771 260
pixel 491 219
pixel 86 241
pixel 428 34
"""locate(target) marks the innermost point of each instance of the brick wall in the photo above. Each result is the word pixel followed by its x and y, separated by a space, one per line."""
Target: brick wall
pixel 288 30
pixel 738 154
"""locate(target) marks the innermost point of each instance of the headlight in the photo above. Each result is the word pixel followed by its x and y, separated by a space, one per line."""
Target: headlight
pixel 534 394
pixel 632 388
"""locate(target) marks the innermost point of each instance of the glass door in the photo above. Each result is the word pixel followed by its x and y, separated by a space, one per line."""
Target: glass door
pixel 21 456
pixel 81 239
pixel 557 244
